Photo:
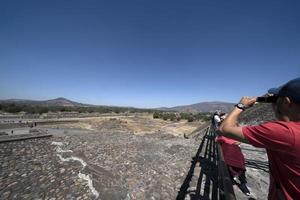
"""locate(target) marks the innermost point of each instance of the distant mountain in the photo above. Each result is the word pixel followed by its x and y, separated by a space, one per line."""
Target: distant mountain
pixel 198 107
pixel 62 102
pixel 259 113
pixel 202 107
pixel 52 102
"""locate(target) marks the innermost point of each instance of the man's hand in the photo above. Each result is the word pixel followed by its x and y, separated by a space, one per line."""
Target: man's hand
pixel 247 101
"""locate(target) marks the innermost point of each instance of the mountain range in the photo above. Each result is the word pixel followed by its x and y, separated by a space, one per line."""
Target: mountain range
pixel 202 107
pixel 198 107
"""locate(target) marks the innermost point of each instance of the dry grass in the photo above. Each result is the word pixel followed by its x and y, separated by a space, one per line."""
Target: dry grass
pixel 139 124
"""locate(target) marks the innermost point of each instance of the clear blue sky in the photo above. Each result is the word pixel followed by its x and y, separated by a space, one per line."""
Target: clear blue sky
pixel 147 53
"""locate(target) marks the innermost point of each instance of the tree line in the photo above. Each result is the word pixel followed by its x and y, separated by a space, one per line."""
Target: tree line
pixel 36 109
pixel 190 117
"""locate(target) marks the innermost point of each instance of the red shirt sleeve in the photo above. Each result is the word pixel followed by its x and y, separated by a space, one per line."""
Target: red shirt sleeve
pixel 271 135
pixel 221 139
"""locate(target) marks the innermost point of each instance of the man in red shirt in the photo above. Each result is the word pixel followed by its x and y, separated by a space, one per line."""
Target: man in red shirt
pixel 280 138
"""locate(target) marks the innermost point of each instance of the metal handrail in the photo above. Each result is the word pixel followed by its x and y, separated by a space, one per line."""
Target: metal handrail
pixel 224 178
pixel 225 186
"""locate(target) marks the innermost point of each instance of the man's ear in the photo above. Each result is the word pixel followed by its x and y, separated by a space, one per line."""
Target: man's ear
pixel 287 101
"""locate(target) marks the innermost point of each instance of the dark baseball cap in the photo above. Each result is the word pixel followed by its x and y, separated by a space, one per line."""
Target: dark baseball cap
pixel 291 89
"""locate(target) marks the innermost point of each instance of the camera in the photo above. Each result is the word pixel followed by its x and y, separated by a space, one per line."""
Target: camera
pixel 269 99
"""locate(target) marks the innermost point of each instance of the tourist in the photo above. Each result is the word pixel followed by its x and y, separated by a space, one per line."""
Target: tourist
pixel 281 138
pixel 216 120
pixel 234 160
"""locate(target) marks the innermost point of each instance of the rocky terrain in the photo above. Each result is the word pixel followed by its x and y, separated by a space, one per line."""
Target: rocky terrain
pixel 259 113
pixel 122 158
pixel 89 165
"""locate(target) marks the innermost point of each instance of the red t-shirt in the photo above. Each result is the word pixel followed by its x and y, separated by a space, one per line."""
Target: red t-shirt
pixel 282 142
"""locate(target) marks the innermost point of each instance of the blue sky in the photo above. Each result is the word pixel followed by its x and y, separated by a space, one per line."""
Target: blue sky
pixel 147 53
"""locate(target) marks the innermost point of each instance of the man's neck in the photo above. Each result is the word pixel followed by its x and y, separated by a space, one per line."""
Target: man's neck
pixel 294 117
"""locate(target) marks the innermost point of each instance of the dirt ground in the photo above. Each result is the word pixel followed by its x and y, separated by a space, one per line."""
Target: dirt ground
pixel 119 157
pixel 116 157
pixel 138 124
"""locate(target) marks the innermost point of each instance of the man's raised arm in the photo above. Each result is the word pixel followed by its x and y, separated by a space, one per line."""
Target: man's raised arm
pixel 229 127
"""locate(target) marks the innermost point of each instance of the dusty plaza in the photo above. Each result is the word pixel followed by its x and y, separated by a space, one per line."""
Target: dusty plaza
pixel 119 157
pixel 129 156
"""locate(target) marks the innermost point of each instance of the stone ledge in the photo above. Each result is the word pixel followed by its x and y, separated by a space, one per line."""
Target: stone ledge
pixel 23 137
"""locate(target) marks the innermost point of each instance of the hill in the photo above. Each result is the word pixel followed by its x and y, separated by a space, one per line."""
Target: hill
pixel 203 107
pixel 52 102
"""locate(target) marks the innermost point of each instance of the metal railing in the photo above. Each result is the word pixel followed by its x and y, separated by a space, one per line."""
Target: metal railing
pixel 204 167
pixel 226 190
pixel 214 181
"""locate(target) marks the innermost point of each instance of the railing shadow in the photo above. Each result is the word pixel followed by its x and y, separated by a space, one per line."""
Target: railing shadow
pixel 255 164
pixel 207 184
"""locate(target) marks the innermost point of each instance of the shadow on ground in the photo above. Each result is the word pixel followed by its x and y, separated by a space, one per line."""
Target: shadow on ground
pixel 207 183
